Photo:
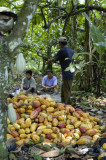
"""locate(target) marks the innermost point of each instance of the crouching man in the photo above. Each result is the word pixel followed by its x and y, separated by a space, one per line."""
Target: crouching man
pixel 49 82
pixel 28 83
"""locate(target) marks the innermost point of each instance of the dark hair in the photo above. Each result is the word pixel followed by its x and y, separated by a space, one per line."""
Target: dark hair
pixel 29 71
pixel 49 71
pixel 64 43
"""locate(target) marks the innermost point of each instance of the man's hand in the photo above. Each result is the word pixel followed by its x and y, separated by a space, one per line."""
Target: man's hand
pixel 46 88
pixel 24 91
pixel 50 61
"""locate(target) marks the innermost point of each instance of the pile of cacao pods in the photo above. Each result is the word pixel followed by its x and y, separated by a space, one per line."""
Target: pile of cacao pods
pixel 99 102
pixel 56 122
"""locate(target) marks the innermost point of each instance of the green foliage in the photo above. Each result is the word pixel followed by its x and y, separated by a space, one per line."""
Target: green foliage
pixel 46 146
pixel 38 157
pixel 73 67
pixel 41 138
pixel 53 145
pixel 78 54
pixel 41 41
pixel 99 42
pixel 97 37
pixel 12 156
pixel 35 153
pixel 1 147
pixel 62 150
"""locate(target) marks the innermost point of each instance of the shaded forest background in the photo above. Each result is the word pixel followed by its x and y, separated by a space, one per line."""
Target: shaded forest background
pixel 86 35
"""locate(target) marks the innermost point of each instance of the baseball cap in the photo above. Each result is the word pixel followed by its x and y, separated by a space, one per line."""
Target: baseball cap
pixel 62 39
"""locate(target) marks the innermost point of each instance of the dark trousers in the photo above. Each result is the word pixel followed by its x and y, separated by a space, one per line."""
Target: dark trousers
pixel 32 90
pixel 66 91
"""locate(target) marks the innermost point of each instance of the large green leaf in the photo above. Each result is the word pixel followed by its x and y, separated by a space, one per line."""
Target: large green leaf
pixel 101 44
pixel 96 36
pixel 78 54
pixel 71 68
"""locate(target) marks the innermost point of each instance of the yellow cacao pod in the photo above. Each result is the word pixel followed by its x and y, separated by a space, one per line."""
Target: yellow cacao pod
pixel 33 127
pixel 55 122
pixel 47 131
pixel 28 122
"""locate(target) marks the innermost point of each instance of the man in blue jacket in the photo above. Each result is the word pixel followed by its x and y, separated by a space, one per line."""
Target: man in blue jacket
pixel 64 56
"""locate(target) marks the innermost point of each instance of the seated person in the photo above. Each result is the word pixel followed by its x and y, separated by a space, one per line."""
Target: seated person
pixel 28 83
pixel 49 82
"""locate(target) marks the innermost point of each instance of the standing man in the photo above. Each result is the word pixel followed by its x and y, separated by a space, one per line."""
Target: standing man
pixel 64 56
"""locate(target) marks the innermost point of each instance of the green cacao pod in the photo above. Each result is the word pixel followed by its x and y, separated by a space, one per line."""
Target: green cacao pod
pixel 20 63
pixel 11 113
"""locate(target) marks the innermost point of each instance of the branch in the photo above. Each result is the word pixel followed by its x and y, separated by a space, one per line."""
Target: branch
pixel 80 29
pixel 11 4
pixel 55 20
pixel 21 27
pixel 88 8
pixel 46 26
pixel 39 53
pixel 80 6
pixel 42 56
pixel 44 18
pixel 44 6
pixel 49 24
pixel 59 8
pixel 67 18
pixel 65 24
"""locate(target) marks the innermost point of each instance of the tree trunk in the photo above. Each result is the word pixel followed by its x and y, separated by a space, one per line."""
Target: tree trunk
pixel 21 27
pixel 7 48
pixel 74 32
pixel 43 67
pixel 87 70
pixel 49 46
pixel 4 78
pixel 12 69
pixel 49 66
pixel 98 82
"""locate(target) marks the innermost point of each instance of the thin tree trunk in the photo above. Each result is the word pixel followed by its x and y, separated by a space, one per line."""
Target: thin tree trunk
pixel 43 67
pixel 74 32
pixel 87 71
pixel 12 69
pixel 90 60
pixel 98 82
pixel 49 66
pixel 4 78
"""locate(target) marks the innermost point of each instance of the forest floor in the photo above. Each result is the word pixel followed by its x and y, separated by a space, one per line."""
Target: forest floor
pixel 80 99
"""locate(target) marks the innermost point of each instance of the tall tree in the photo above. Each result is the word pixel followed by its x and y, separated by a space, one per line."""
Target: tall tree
pixel 87 71
pixel 7 47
